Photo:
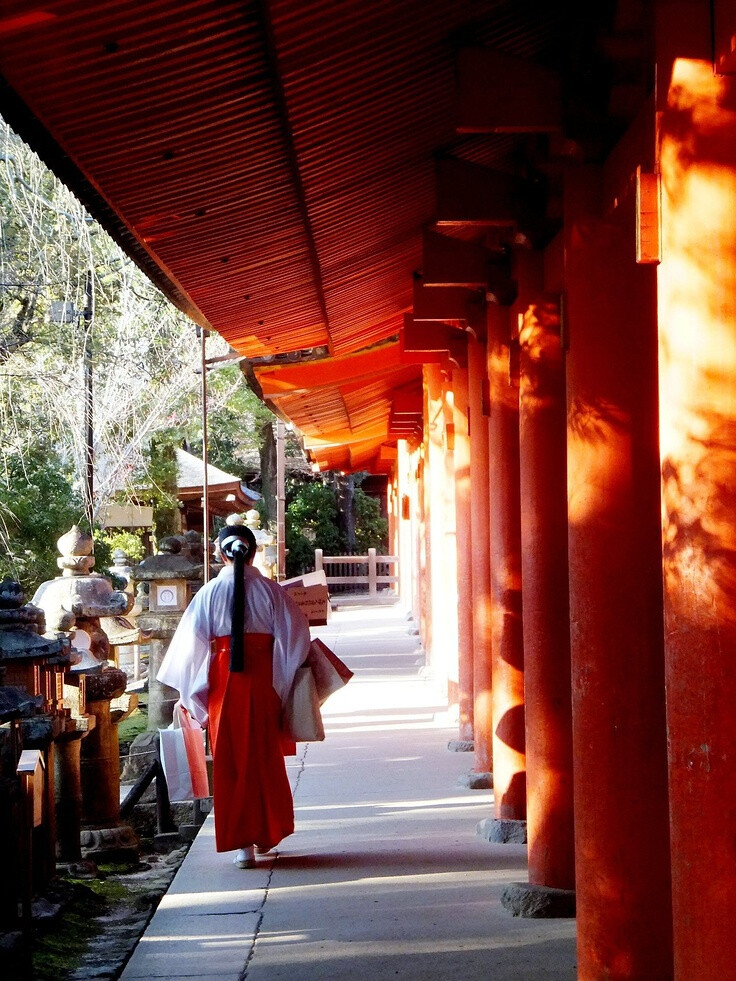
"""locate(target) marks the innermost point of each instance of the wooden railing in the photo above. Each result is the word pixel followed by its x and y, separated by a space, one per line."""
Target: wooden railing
pixel 345 570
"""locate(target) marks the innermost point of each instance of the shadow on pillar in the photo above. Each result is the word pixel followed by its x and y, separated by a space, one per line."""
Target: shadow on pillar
pixel 507 827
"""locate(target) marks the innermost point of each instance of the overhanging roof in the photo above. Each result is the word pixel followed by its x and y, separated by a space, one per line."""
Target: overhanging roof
pixel 227 492
pixel 190 477
pixel 271 164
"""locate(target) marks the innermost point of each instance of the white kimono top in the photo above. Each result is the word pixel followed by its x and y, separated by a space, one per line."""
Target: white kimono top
pixel 268 610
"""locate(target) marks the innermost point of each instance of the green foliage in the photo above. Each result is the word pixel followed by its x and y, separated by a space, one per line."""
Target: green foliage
pixel 37 506
pixel 135 724
pixel 312 522
pixel 103 552
pixel 130 542
pixel 261 507
pixel 371 529
pixel 105 545
pixel 312 508
pixel 155 482
pixel 232 421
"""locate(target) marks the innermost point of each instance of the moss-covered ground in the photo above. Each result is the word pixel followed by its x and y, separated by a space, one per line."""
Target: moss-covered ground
pixel 120 892
pixel 58 950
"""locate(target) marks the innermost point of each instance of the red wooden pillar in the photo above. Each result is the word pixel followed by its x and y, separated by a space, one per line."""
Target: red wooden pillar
pixel 420 563
pixel 509 768
pixel 441 596
pixel 391 508
pixel 425 554
pixel 481 564
pixel 697 322
pixel 619 739
pixel 462 468
pixel 543 452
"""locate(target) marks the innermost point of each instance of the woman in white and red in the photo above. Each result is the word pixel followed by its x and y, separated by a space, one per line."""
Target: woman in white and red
pixel 233 659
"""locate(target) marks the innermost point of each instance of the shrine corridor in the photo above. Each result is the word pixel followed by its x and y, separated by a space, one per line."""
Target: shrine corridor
pixel 385 876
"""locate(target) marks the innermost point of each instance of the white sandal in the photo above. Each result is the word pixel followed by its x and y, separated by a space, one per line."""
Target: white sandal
pixel 245 858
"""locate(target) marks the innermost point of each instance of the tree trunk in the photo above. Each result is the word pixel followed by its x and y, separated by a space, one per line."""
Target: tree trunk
pixel 166 519
pixel 345 488
pixel 267 452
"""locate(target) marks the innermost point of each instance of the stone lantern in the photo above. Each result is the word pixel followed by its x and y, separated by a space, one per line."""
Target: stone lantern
pixel 29 659
pixel 35 665
pixel 16 707
pixel 73 604
pixel 172 578
pixel 266 557
pixel 76 599
pixel 121 566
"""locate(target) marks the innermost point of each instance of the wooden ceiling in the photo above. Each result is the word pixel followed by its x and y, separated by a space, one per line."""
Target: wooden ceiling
pixel 273 165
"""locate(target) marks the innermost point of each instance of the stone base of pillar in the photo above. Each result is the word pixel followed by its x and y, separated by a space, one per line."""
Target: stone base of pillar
pixel 116 844
pixel 538 902
pixel 461 746
pixel 502 831
pixel 476 781
pixel 168 840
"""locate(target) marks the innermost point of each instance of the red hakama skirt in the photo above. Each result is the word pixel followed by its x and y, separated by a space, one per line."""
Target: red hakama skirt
pixel 252 796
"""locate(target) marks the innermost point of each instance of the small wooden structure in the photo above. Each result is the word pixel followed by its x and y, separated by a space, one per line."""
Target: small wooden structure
pixel 226 492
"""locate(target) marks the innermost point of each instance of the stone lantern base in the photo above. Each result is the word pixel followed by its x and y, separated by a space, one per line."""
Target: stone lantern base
pixel 116 844
pixel 105 836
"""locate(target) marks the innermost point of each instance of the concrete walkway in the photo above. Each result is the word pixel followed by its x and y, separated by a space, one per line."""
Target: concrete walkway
pixel 385 876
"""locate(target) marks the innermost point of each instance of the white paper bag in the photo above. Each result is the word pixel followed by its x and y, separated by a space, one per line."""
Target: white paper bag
pixel 330 673
pixel 183 758
pixel 301 718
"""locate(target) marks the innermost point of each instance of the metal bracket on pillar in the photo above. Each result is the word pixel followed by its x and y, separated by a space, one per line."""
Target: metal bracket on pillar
pixel 554 264
pixel 648 197
pixel 564 332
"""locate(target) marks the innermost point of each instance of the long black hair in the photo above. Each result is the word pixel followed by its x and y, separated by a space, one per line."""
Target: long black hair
pixel 237 542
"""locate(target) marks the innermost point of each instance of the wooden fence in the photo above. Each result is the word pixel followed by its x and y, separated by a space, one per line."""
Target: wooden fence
pixel 370 571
